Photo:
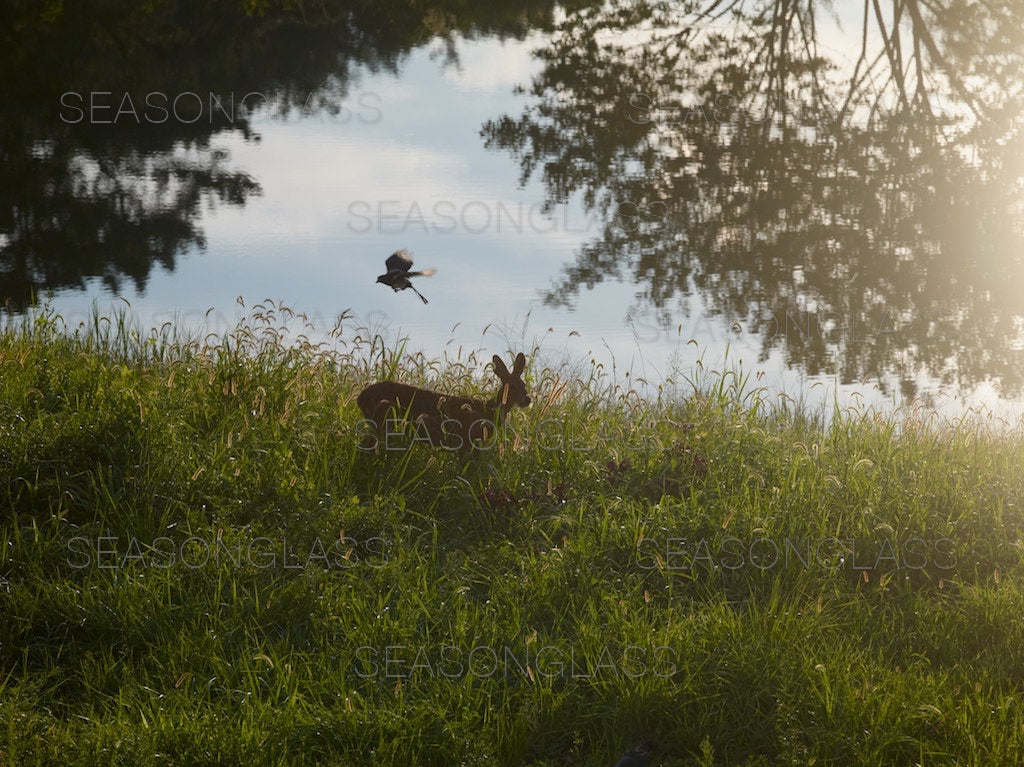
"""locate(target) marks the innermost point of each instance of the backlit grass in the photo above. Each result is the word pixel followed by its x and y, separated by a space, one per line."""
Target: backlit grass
pixel 200 566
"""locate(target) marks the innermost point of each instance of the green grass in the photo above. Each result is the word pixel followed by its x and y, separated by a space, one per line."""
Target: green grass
pixel 199 566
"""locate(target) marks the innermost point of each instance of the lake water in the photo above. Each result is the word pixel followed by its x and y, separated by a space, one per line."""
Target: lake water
pixel 642 190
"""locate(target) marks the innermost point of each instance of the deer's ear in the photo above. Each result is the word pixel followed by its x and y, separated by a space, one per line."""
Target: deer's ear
pixel 519 365
pixel 499 368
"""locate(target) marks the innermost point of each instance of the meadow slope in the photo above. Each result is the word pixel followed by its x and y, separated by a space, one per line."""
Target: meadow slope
pixel 200 566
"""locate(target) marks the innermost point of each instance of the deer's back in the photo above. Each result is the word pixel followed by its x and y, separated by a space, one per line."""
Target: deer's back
pixel 418 400
pixel 400 395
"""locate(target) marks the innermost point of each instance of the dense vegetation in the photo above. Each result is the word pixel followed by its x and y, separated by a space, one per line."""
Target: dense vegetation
pixel 199 565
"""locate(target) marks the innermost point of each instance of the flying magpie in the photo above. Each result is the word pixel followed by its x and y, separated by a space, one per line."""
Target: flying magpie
pixel 398 274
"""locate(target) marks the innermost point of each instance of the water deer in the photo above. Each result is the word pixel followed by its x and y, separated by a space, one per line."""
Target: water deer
pixel 449 422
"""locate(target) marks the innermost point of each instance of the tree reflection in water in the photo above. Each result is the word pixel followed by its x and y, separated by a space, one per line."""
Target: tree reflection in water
pixel 107 198
pixel 862 216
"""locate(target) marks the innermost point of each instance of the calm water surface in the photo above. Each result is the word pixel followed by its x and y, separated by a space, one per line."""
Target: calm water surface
pixel 642 189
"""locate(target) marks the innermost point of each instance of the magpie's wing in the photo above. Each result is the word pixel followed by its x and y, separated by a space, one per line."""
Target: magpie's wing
pixel 400 261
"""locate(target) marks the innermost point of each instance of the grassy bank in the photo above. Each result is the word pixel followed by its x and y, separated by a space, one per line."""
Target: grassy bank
pixel 200 566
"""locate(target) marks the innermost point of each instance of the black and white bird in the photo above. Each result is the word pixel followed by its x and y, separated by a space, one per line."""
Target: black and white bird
pixel 398 274
pixel 638 756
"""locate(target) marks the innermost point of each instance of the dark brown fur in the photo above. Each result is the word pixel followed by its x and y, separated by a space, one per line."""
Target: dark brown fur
pixel 454 423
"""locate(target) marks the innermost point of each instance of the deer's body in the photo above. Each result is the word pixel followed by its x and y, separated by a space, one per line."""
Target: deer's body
pixel 448 421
